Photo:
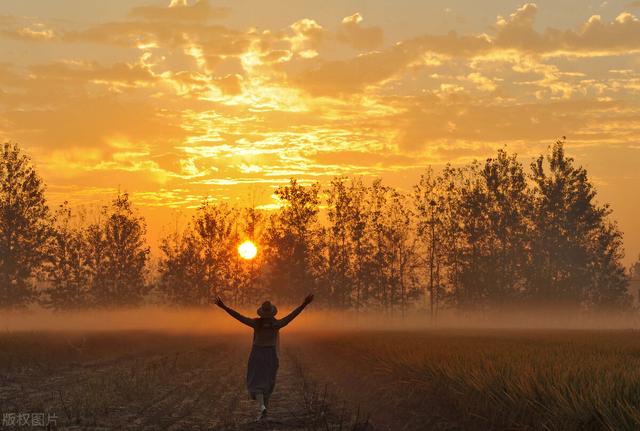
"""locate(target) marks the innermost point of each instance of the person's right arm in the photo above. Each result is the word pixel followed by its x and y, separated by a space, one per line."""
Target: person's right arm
pixel 233 313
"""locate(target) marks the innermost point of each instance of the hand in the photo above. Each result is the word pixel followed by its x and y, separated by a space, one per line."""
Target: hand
pixel 218 302
pixel 308 299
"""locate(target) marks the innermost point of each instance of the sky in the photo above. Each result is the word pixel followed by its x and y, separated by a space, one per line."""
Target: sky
pixel 176 101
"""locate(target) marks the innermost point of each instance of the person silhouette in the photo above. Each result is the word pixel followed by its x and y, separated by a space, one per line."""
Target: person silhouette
pixel 263 360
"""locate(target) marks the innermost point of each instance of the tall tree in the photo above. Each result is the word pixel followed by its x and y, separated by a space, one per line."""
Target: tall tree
pixel 117 255
pixel 338 277
pixel 507 208
pixel 576 251
pixel 403 258
pixel 182 277
pixel 346 247
pixel 24 226
pixel 217 235
pixel 392 263
pixel 66 269
pixel 470 212
pixel 291 239
pixel 434 196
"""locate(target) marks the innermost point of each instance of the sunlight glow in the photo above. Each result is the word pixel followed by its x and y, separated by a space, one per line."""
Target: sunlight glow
pixel 247 250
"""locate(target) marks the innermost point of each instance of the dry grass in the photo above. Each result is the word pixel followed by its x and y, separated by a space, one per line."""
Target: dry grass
pixel 557 380
pixel 413 380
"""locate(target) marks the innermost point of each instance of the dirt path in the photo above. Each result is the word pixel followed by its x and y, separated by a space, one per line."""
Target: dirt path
pixel 297 404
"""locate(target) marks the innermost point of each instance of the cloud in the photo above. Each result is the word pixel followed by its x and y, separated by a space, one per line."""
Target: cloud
pixel 214 39
pixel 594 37
pixel 94 120
pixel 229 84
pixel 25 28
pixel 354 75
pixel 201 10
pixel 359 37
pixel 513 32
pixel 364 159
pixel 433 121
pixel 484 83
pixel 332 78
pixel 77 72
pixel 27 33
pixel 307 38
pixel 512 35
pixel 620 35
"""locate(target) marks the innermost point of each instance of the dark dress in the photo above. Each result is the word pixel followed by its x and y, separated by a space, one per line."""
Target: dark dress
pixel 262 368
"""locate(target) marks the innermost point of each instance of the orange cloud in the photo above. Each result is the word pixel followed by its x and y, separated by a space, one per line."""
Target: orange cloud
pixel 25 28
pixel 201 10
pixel 353 33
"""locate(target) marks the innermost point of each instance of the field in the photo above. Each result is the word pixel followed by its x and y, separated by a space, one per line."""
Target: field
pixel 366 380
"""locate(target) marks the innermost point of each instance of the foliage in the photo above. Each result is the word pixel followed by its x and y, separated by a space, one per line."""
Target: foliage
pixel 575 250
pixel 291 242
pixel 24 226
pixel 504 239
pixel 66 267
pixel 117 255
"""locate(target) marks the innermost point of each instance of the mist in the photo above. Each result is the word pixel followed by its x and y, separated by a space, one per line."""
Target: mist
pixel 216 321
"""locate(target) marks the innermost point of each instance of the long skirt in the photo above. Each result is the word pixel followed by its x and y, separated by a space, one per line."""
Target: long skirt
pixel 262 370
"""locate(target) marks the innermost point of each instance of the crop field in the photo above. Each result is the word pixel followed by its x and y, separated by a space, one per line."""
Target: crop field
pixel 365 380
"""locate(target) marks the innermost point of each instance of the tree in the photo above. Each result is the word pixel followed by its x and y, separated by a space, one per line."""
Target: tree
pixel 66 270
pixel 608 287
pixel 506 209
pixel 576 252
pixel 390 268
pixel 216 233
pixel 24 227
pixel 117 255
pixel 291 239
pixel 345 244
pixel 433 198
pixel 182 278
pixel 338 278
pixel 402 244
pixel 635 270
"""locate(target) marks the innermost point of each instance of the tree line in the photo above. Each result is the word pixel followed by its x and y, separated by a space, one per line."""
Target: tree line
pixel 491 235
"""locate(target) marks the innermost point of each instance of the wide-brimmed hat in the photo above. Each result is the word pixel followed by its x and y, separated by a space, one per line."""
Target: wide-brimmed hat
pixel 267 309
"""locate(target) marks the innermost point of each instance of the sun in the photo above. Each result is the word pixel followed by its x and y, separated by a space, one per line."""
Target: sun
pixel 247 250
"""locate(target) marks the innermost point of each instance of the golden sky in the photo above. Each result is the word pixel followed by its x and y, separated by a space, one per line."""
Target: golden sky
pixel 176 100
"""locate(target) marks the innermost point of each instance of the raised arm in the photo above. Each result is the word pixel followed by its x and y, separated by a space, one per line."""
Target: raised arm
pixel 233 313
pixel 288 318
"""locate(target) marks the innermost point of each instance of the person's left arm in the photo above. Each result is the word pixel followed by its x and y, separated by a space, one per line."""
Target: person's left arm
pixel 289 317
